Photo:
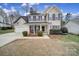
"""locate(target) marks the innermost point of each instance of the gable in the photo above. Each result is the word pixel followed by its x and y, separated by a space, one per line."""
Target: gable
pixel 52 10
pixel 20 21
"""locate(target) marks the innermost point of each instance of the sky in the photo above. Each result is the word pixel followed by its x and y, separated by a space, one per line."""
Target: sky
pixel 72 8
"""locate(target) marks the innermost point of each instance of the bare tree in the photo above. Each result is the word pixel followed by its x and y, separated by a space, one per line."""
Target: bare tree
pixel 26 8
pixel 67 18
pixel 13 16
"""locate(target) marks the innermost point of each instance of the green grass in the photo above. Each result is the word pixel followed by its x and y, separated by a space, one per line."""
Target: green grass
pixel 6 31
pixel 70 37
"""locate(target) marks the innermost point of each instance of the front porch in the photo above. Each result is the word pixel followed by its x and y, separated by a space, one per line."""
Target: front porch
pixel 36 28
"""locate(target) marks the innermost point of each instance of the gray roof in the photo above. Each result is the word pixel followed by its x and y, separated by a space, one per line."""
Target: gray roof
pixel 24 17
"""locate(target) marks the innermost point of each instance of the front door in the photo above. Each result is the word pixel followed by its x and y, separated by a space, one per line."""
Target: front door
pixel 37 28
pixel 31 29
pixel 43 28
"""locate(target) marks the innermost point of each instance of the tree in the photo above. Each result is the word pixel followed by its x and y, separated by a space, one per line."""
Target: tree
pixel 26 8
pixel 14 15
pixel 67 18
pixel 4 15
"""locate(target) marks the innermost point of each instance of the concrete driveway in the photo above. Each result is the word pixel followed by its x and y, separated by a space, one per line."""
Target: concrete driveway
pixel 9 37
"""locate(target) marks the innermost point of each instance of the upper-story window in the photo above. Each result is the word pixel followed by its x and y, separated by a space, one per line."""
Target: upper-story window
pixel 50 16
pixel 42 17
pixel 39 18
pixel 34 18
pixel 59 16
pixel 31 17
pixel 53 16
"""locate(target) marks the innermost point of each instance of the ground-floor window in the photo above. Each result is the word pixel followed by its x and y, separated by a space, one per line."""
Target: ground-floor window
pixel 43 28
pixel 54 26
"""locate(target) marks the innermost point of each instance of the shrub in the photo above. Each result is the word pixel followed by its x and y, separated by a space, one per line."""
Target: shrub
pixel 9 27
pixel 64 30
pixel 24 33
pixel 3 28
pixel 6 28
pixel 52 31
pixel 40 33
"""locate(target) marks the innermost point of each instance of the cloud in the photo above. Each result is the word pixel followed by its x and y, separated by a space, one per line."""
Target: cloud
pixel 24 4
pixel 6 10
pixel 13 9
pixel 33 4
pixel 29 4
pixel 26 13
pixel 9 10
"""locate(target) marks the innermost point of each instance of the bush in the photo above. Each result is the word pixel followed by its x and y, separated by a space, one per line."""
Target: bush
pixel 24 33
pixel 9 27
pixel 52 31
pixel 3 28
pixel 6 28
pixel 64 30
pixel 40 33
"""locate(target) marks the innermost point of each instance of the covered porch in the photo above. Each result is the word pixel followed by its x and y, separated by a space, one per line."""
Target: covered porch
pixel 36 28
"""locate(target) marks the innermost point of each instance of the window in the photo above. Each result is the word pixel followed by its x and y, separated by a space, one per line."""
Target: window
pixel 59 16
pixel 53 16
pixel 34 18
pixel 43 28
pixel 31 17
pixel 40 17
pixel 50 16
pixel 55 26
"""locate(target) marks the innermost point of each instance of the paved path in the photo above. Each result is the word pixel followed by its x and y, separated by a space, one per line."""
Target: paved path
pixel 9 37
pixel 6 38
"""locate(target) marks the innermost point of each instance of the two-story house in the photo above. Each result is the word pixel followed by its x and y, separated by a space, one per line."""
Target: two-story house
pixel 49 19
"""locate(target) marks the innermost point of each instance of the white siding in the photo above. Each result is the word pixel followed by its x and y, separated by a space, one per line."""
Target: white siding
pixel 20 22
pixel 21 28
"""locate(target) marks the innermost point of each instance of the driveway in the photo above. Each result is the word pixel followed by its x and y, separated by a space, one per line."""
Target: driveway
pixel 9 37
pixel 39 47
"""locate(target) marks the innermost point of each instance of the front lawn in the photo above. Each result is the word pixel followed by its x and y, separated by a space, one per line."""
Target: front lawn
pixel 70 37
pixel 6 31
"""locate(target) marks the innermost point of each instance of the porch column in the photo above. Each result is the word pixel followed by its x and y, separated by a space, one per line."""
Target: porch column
pixel 40 28
pixel 34 29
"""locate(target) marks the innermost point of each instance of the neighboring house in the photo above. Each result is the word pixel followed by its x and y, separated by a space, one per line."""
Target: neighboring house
pixel 73 26
pixel 3 19
pixel 49 19
pixel 4 24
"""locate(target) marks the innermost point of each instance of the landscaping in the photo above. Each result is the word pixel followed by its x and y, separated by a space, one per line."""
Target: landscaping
pixel 6 31
pixel 71 37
